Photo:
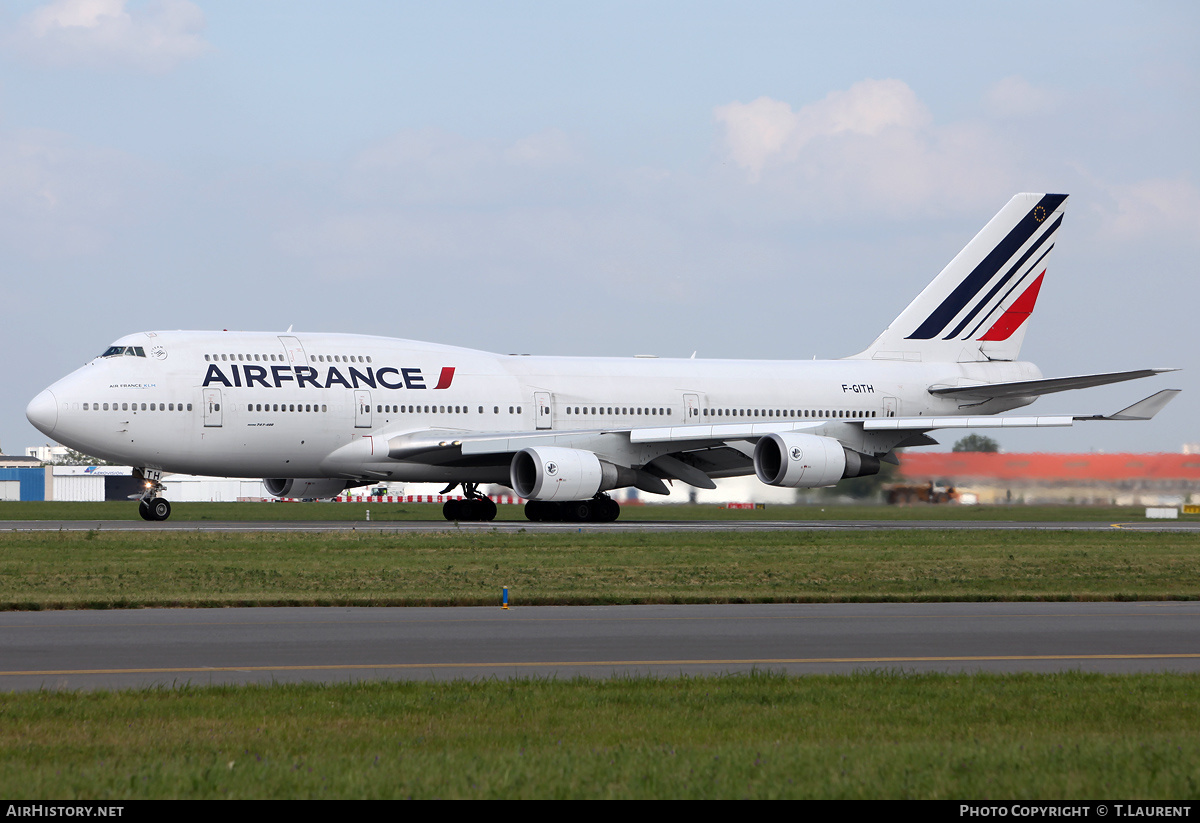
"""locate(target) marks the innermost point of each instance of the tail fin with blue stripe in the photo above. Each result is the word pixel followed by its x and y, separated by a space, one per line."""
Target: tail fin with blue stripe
pixel 977 307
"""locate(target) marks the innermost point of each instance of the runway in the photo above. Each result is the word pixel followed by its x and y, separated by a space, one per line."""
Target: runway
pixel 517 526
pixel 168 647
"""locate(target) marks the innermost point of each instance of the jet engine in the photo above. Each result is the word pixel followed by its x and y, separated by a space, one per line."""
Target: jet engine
pixel 553 473
pixel 305 487
pixel 798 460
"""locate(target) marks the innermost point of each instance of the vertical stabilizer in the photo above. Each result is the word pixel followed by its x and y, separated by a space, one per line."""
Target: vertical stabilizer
pixel 976 308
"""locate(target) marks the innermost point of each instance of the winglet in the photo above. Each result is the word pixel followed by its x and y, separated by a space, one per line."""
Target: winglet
pixel 1141 410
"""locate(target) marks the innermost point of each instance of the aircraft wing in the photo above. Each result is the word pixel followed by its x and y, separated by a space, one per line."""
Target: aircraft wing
pixel 1029 388
pixel 416 445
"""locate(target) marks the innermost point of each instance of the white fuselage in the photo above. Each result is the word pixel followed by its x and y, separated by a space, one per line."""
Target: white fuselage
pixel 260 404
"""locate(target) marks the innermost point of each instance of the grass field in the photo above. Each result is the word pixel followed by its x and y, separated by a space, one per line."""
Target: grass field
pixel 383 512
pixel 109 569
pixel 762 736
pixel 1064 736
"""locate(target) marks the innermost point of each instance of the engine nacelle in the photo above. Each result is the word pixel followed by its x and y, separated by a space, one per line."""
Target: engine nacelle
pixel 553 473
pixel 797 460
pixel 305 487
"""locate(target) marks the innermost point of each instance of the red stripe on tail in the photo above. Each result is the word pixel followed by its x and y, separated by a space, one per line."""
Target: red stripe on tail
pixel 1017 313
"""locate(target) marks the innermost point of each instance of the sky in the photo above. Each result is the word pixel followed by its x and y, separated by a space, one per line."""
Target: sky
pixel 746 180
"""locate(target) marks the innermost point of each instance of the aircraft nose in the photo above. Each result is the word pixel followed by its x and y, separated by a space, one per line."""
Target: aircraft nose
pixel 42 412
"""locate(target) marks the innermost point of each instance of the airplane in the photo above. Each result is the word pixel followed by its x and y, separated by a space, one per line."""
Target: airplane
pixel 316 414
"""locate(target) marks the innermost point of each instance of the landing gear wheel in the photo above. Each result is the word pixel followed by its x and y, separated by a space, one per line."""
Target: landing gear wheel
pixel 157 509
pixel 470 510
pixel 487 509
pixel 577 511
pixel 541 511
pixel 605 509
pixel 600 509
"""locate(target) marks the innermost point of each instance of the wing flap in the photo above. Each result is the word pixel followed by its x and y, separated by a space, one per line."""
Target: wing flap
pixel 676 468
pixel 995 422
pixel 719 432
pixel 1141 410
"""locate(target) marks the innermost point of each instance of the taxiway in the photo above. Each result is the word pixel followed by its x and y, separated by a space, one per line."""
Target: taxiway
pixel 166 647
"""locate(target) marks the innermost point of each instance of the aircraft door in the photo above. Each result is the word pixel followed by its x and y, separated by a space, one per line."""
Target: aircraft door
pixel 890 406
pixel 212 408
pixel 362 409
pixel 295 351
pixel 691 408
pixel 545 410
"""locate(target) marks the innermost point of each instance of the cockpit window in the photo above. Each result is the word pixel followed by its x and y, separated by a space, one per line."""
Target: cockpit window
pixel 127 351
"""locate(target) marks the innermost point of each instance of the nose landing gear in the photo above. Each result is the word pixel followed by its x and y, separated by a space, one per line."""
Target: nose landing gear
pixel 151 506
pixel 155 509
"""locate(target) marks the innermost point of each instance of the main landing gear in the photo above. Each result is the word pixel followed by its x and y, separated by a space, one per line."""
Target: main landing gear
pixel 474 507
pixel 600 509
pixel 151 506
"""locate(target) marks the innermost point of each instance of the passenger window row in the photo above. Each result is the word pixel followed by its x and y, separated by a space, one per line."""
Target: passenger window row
pixel 822 414
pixel 389 409
pixel 381 408
pixel 287 407
pixel 126 407
pixel 625 410
pixel 271 358
pixel 709 412
pixel 341 358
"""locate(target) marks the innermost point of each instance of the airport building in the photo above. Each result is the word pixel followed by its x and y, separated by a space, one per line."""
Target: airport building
pixel 1101 479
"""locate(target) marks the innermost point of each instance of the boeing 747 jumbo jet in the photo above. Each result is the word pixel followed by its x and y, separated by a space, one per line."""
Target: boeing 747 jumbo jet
pixel 316 414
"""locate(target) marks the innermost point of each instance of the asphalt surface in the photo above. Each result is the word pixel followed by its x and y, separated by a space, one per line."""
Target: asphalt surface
pixel 166 647
pixel 619 526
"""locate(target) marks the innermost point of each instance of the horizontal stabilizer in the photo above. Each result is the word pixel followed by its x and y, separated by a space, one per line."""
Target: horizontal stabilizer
pixel 1030 388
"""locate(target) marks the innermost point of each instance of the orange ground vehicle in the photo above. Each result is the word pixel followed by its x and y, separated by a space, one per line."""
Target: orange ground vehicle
pixel 903 494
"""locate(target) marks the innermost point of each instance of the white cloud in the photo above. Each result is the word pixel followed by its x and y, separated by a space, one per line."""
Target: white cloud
pixel 1153 208
pixel 61 198
pixel 1016 97
pixel 154 37
pixel 767 130
pixel 444 152
pixel 434 166
pixel 872 147
pixel 433 149
pixel 429 200
pixel 545 149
